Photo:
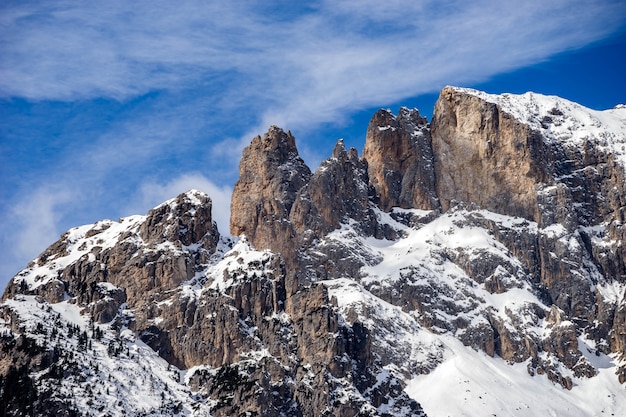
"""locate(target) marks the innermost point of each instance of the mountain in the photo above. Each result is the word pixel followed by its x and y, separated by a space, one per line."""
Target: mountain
pixel 471 265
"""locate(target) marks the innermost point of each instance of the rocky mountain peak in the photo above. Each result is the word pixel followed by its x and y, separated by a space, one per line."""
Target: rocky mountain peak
pixel 185 220
pixel 337 191
pixel 488 243
pixel 412 116
pixel 339 151
pixel 341 154
pixel 270 174
pixel 277 140
pixel 399 155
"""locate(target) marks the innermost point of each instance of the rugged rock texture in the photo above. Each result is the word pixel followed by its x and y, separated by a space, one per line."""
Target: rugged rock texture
pixel 540 170
pixel 270 175
pixel 185 221
pixel 399 154
pixel 295 209
pixel 337 192
pixel 497 227
pixel 235 321
pixel 485 156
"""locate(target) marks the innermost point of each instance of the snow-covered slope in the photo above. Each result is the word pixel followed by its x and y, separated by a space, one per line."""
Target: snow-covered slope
pixel 440 371
pixel 79 243
pixel 470 383
pixel 97 369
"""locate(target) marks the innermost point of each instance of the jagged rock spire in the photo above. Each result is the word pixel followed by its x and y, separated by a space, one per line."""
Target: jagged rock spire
pixel 270 174
pixel 337 191
pixel 400 160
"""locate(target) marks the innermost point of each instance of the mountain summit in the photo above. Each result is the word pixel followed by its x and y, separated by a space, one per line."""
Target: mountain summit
pixel 470 265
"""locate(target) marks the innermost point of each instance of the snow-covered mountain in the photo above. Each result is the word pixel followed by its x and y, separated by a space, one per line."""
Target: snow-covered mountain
pixel 471 265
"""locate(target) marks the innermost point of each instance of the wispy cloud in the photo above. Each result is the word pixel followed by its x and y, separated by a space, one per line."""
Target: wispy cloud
pixel 295 67
pixel 334 52
pixel 36 218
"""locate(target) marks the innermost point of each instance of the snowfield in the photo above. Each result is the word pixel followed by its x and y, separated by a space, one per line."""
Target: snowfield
pixel 445 376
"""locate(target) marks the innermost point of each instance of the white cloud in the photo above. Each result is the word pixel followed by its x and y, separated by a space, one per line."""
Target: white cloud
pixel 67 50
pixel 31 225
pixel 324 59
pixel 37 218
pixel 259 66
pixel 294 67
pixel 151 194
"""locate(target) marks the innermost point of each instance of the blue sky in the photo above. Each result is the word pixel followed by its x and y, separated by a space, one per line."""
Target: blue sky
pixel 109 108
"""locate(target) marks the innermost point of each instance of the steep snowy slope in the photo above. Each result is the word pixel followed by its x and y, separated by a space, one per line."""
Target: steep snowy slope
pixel 434 360
pixel 85 368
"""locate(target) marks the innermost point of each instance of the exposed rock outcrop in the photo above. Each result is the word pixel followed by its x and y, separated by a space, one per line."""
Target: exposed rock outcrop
pixel 485 156
pixel 337 193
pixel 399 155
pixel 184 221
pixel 270 174
pixel 498 226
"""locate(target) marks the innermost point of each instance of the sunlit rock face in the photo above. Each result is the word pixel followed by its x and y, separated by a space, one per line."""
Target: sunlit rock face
pixel 399 154
pixel 270 174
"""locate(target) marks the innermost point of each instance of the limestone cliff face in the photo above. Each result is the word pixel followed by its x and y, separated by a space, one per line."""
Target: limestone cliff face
pixel 538 169
pixel 399 155
pixel 544 170
pixel 270 175
pixel 485 156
